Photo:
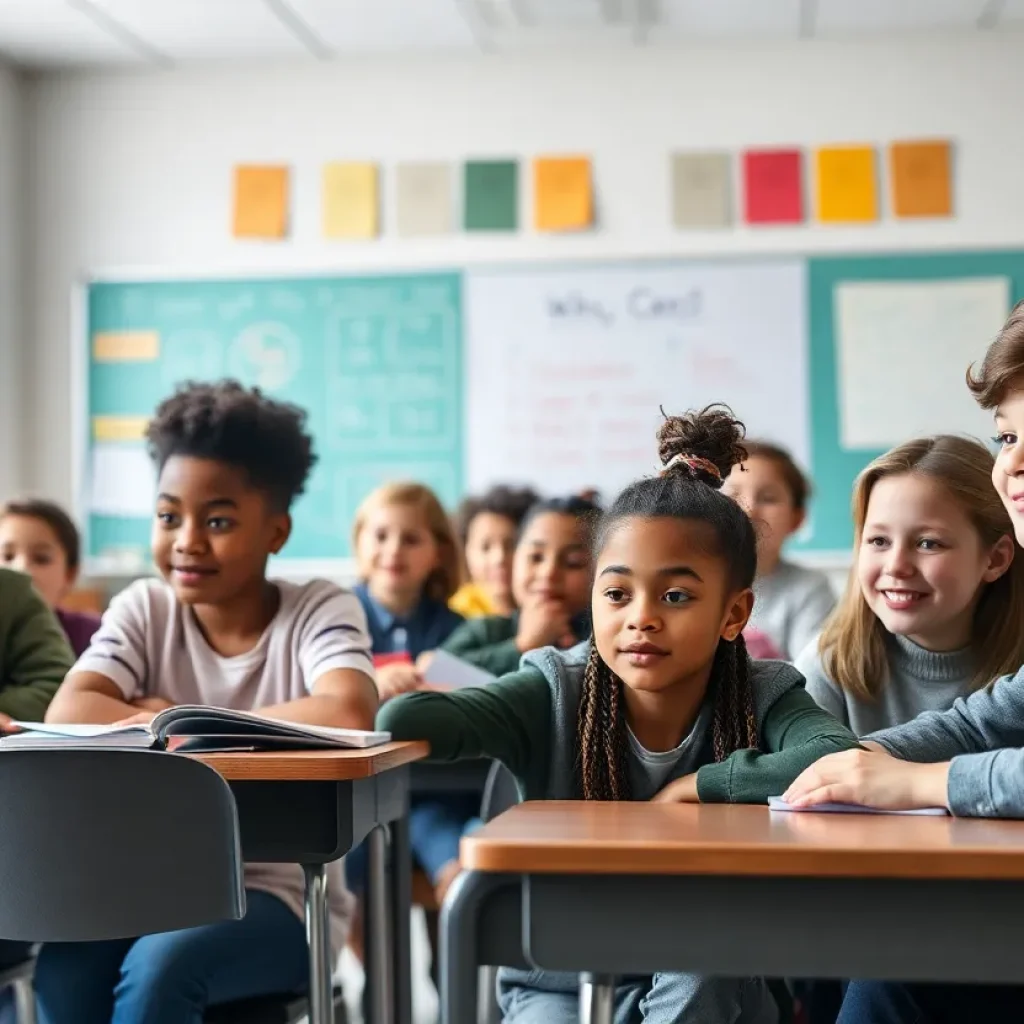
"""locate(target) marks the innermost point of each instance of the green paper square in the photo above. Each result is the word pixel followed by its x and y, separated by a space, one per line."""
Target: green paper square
pixel 492 195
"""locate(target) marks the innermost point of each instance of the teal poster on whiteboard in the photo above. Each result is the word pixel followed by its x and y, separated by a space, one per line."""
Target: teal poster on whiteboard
pixel 376 362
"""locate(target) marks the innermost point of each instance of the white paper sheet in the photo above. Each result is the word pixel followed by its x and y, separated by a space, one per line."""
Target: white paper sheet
pixel 453 673
pixel 123 481
pixel 903 351
pixel 776 803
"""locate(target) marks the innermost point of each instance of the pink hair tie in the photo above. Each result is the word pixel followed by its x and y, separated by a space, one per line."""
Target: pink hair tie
pixel 695 463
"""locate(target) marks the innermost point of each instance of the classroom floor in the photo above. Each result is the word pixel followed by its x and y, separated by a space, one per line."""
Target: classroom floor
pixel 424 997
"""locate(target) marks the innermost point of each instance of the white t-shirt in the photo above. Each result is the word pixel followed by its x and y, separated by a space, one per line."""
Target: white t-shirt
pixel 150 645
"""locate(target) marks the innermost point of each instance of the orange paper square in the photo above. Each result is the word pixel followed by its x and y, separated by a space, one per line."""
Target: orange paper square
pixel 922 179
pixel 261 202
pixel 563 196
pixel 847 183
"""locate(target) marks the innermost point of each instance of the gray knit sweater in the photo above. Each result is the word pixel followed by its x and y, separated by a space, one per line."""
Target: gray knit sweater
pixel 918 681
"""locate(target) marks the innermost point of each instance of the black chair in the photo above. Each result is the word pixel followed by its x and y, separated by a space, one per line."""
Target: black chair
pixel 85 833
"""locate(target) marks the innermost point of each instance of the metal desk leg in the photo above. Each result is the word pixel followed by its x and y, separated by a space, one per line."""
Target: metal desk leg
pixel 321 1008
pixel 379 962
pixel 597 999
pixel 400 886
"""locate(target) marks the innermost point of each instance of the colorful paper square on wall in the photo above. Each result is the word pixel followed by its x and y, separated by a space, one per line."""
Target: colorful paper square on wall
pixel 491 195
pixel 351 204
pixel 424 198
pixel 773 186
pixel 922 178
pixel 701 190
pixel 260 202
pixel 847 184
pixel 563 194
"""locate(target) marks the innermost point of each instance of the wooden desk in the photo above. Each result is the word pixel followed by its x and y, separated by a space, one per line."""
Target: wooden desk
pixel 634 888
pixel 311 807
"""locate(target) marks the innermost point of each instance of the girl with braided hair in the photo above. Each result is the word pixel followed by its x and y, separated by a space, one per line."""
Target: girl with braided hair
pixel 662 703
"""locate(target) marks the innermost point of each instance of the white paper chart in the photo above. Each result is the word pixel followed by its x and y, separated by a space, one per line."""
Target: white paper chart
pixel 904 349
pixel 566 370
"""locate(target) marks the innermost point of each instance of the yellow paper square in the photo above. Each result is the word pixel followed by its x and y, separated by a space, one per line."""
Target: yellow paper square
pixel 847 184
pixel 261 202
pixel 351 205
pixel 125 346
pixel 563 195
pixel 119 428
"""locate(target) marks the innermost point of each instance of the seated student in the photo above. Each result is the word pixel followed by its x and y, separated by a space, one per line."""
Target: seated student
pixel 551 572
pixel 34 658
pixel 792 601
pixel 34 652
pixel 39 538
pixel 935 596
pixel 215 630
pixel 662 703
pixel 408 561
pixel 932 605
pixel 967 759
pixel 487 527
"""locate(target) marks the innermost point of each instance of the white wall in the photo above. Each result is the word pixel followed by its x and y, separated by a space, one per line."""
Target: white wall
pixel 13 346
pixel 133 170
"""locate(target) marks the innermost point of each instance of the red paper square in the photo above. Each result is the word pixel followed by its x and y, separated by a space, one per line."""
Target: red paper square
pixel 774 186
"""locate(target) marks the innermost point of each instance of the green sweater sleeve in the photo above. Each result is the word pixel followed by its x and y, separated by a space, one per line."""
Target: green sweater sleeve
pixel 795 734
pixel 34 653
pixel 507 721
pixel 489 643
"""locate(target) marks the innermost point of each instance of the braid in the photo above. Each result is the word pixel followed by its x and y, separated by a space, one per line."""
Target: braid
pixel 735 725
pixel 601 729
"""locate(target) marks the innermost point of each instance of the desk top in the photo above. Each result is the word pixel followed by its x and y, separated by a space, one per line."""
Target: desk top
pixel 314 765
pixel 559 837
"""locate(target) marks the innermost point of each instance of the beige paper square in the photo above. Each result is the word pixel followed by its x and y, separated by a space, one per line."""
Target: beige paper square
pixel 701 190
pixel 424 194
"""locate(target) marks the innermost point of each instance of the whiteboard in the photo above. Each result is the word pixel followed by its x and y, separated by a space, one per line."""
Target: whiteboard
pixel 904 347
pixel 566 368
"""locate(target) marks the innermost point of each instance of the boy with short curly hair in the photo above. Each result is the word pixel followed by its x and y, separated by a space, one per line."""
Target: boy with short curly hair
pixel 215 630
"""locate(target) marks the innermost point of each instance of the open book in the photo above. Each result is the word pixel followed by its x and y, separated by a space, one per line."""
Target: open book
pixel 200 728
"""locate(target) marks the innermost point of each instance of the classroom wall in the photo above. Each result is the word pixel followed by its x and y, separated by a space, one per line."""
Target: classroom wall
pixel 13 348
pixel 133 170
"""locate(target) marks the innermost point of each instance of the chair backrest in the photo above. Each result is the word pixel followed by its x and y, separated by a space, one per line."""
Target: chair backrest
pixel 500 792
pixel 103 844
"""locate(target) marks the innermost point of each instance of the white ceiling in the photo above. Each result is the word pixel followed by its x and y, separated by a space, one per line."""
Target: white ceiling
pixel 55 33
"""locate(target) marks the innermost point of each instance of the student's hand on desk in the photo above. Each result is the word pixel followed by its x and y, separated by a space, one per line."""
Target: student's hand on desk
pixel 7 724
pixel 870 778
pixel 142 718
pixel 542 624
pixel 397 678
pixel 682 791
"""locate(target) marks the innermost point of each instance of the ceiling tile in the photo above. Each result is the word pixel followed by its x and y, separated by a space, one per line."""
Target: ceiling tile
pixel 737 18
pixel 841 16
pixel 206 29
pixel 347 25
pixel 50 33
pixel 1012 12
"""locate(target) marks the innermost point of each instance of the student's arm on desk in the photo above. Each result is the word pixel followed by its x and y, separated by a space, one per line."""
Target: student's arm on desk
pixel 508 721
pixel 344 698
pixel 796 733
pixel 92 698
pixel 986 720
pixel 334 653
pixel 37 656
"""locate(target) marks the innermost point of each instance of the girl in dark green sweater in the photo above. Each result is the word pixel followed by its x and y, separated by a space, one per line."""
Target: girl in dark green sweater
pixel 663 703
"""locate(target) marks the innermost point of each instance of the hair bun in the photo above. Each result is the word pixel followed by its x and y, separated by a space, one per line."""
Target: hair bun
pixel 713 435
